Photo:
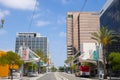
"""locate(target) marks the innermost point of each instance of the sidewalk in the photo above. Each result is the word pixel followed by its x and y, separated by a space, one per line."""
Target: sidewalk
pixel 25 78
pixel 33 78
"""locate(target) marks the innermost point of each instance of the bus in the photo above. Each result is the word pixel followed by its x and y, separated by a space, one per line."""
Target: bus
pixel 83 71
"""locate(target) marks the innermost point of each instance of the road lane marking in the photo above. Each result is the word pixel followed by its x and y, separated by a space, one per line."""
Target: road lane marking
pixel 56 76
pixel 59 77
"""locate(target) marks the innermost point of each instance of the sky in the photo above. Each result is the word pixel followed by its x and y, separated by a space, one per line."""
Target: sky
pixel 49 20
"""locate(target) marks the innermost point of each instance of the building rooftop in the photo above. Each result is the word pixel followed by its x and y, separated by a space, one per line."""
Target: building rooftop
pixel 32 34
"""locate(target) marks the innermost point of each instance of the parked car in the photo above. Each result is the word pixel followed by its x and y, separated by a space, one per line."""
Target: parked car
pixel 15 75
pixel 32 74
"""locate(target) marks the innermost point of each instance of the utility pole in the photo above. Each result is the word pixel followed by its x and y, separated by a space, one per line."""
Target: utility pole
pixel 98 65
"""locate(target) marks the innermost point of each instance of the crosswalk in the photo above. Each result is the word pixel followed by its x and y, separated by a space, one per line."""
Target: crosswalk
pixel 59 77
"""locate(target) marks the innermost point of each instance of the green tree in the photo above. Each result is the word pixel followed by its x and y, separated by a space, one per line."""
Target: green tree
pixel 12 56
pixel 69 60
pixel 114 59
pixel 45 60
pixel 103 37
pixel 9 58
pixel 61 69
pixel 73 68
pixel 53 69
pixel 42 57
pixel 40 54
pixel 3 59
pixel 32 66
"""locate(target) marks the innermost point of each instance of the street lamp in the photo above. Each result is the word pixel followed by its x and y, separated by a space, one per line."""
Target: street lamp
pixel 98 65
pixel 12 67
pixel 2 22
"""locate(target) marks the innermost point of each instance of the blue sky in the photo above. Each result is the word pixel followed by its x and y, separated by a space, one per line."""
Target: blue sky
pixel 49 20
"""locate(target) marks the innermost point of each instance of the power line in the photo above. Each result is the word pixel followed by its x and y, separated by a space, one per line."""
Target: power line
pixel 84 4
pixel 32 15
pixel 82 8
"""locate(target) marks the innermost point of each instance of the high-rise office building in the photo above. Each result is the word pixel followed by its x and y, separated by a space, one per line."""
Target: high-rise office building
pixel 110 17
pixel 80 25
pixel 32 40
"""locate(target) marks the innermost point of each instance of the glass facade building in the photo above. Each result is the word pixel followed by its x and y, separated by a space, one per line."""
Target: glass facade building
pixel 110 17
pixel 32 40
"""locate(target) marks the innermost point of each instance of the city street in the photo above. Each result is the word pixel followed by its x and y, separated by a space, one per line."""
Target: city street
pixel 60 76
pixel 48 76
pixel 60 40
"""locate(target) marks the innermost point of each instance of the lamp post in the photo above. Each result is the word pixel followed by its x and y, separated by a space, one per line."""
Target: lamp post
pixel 2 22
pixel 12 65
pixel 97 48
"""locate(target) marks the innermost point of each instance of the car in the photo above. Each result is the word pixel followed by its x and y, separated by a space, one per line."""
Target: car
pixel 32 74
pixel 15 75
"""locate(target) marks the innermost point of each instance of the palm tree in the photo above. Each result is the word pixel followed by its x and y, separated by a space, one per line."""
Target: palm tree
pixel 42 57
pixel 103 37
pixel 40 54
pixel 70 60
pixel 45 60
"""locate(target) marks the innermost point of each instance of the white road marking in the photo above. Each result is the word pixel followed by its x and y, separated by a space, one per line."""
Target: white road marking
pixel 56 76
pixel 59 77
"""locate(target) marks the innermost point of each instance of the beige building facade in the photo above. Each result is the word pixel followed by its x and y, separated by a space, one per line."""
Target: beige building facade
pixel 80 25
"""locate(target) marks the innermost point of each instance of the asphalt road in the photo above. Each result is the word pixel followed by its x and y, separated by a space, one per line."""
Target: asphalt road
pixel 48 76
pixel 72 77
pixel 60 76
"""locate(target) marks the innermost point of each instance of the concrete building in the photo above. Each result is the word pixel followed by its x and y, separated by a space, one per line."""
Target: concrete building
pixel 110 17
pixel 80 25
pixel 32 40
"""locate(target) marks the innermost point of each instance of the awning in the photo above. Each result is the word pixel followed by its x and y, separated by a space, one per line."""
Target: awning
pixel 83 58
pixel 32 60
pixel 87 60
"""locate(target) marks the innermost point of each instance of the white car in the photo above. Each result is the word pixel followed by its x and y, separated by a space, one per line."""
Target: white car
pixel 16 75
pixel 32 74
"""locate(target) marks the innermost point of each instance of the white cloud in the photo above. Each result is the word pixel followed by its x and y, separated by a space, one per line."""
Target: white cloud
pixel 4 13
pixel 62 34
pixel 42 23
pixel 2 32
pixel 19 4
